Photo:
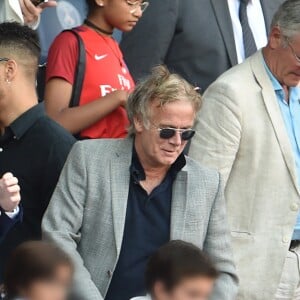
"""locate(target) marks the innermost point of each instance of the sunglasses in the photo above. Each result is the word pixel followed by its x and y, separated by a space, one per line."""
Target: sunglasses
pixel 167 133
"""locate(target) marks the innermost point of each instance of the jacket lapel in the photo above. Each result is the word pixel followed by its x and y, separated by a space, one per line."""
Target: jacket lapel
pixel 273 109
pixel 221 10
pixel 178 209
pixel 120 180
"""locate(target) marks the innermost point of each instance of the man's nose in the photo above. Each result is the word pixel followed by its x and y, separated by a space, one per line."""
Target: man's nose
pixel 176 139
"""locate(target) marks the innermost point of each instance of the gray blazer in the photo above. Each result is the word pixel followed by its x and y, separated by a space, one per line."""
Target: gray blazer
pixel 241 133
pixel 86 216
pixel 191 37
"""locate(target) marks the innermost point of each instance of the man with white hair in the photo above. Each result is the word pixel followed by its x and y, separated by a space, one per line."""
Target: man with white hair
pixel 118 201
pixel 249 129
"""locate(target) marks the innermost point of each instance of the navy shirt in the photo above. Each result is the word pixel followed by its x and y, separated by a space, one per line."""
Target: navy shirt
pixel 34 148
pixel 147 227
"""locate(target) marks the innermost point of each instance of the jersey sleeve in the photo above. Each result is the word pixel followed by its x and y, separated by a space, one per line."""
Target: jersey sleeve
pixel 62 58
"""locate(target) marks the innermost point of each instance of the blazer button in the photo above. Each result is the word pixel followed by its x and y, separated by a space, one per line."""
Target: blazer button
pixel 110 273
pixel 286 239
pixel 294 207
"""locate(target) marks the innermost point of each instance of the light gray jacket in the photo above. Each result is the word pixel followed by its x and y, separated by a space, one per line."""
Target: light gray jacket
pixel 86 215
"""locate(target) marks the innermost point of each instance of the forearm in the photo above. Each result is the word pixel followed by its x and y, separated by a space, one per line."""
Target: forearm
pixel 76 119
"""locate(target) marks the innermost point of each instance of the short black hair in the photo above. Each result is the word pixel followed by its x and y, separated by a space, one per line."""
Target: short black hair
pixel 176 261
pixel 22 44
pixel 19 38
pixel 30 262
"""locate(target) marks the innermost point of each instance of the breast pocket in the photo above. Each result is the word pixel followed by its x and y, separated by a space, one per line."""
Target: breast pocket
pixel 241 235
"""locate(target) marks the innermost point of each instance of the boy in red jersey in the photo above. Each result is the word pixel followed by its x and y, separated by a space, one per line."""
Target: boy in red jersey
pixel 107 81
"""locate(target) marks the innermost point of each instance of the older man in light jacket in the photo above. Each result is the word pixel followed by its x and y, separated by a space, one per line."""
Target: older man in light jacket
pixel 23 11
pixel 249 130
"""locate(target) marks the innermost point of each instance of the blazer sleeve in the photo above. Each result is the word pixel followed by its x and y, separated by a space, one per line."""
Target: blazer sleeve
pixel 63 220
pixel 218 130
pixel 218 246
pixel 147 45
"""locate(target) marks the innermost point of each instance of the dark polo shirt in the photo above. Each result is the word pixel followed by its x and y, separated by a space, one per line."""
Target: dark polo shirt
pixel 34 148
pixel 147 227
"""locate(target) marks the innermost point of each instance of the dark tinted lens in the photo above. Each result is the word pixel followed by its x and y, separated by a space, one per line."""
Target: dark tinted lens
pixel 167 133
pixel 187 135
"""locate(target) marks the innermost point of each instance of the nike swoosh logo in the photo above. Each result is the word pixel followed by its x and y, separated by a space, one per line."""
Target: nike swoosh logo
pixel 99 57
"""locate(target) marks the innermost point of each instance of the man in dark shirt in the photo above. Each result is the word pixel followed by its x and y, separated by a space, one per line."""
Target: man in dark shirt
pixel 32 146
pixel 117 201
pixel 146 214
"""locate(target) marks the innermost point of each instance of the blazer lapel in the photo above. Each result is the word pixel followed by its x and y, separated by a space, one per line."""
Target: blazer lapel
pixel 120 180
pixel 178 209
pixel 273 109
pixel 221 10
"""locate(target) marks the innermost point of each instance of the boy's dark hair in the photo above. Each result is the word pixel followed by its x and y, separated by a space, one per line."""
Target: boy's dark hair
pixel 32 261
pixel 175 262
pixel 22 42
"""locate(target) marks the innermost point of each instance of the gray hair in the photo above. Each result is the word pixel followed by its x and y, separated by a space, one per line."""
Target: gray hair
pixel 287 18
pixel 163 86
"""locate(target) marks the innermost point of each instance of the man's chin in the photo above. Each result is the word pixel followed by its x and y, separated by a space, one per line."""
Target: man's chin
pixel 294 80
pixel 168 161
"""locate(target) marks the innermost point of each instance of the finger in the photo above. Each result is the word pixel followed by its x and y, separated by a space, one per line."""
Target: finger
pixel 15 200
pixel 10 181
pixel 7 175
pixel 31 11
pixel 22 5
pixel 31 8
pixel 24 8
pixel 14 189
pixel 29 17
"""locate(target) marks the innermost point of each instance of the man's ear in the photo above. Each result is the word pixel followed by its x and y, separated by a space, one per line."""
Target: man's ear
pixel 11 70
pixel 138 124
pixel 275 38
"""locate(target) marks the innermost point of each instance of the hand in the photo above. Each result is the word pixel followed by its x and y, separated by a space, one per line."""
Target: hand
pixel 122 96
pixel 31 12
pixel 9 192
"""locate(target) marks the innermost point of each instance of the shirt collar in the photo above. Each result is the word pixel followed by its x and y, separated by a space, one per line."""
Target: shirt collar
pixel 276 85
pixel 24 122
pixel 294 91
pixel 138 173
